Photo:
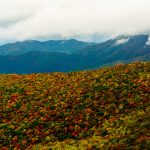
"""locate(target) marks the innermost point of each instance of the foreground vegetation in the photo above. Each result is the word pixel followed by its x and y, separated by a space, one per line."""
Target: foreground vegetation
pixel 102 109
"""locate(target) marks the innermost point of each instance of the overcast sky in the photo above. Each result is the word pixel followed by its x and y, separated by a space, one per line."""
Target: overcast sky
pixel 63 19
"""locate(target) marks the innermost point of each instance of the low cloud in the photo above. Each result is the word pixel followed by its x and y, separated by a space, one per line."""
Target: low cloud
pixel 122 41
pixel 61 19
pixel 148 41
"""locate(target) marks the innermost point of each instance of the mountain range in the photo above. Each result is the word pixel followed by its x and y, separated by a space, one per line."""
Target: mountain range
pixel 71 55
pixel 65 46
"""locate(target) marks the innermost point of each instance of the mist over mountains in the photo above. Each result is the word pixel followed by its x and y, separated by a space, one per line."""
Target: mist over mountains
pixel 71 55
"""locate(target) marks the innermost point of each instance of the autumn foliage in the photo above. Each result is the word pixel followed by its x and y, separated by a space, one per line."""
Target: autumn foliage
pixel 107 108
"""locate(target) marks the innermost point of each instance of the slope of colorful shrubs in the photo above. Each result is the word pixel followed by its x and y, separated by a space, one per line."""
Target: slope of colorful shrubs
pixel 107 108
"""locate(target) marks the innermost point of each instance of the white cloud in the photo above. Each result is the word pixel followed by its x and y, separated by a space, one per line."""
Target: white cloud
pixel 44 19
pixel 121 41
pixel 148 41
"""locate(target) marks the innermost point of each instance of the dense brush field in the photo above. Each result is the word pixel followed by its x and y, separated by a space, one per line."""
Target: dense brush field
pixel 107 108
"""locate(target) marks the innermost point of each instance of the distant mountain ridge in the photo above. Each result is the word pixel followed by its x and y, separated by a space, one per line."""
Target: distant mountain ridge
pixel 123 49
pixel 63 46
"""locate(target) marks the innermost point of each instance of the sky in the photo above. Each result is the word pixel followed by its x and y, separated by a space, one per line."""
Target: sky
pixel 87 20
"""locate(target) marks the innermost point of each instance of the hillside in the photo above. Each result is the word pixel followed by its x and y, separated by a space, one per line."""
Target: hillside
pixel 123 49
pixel 36 62
pixel 37 59
pixel 107 108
